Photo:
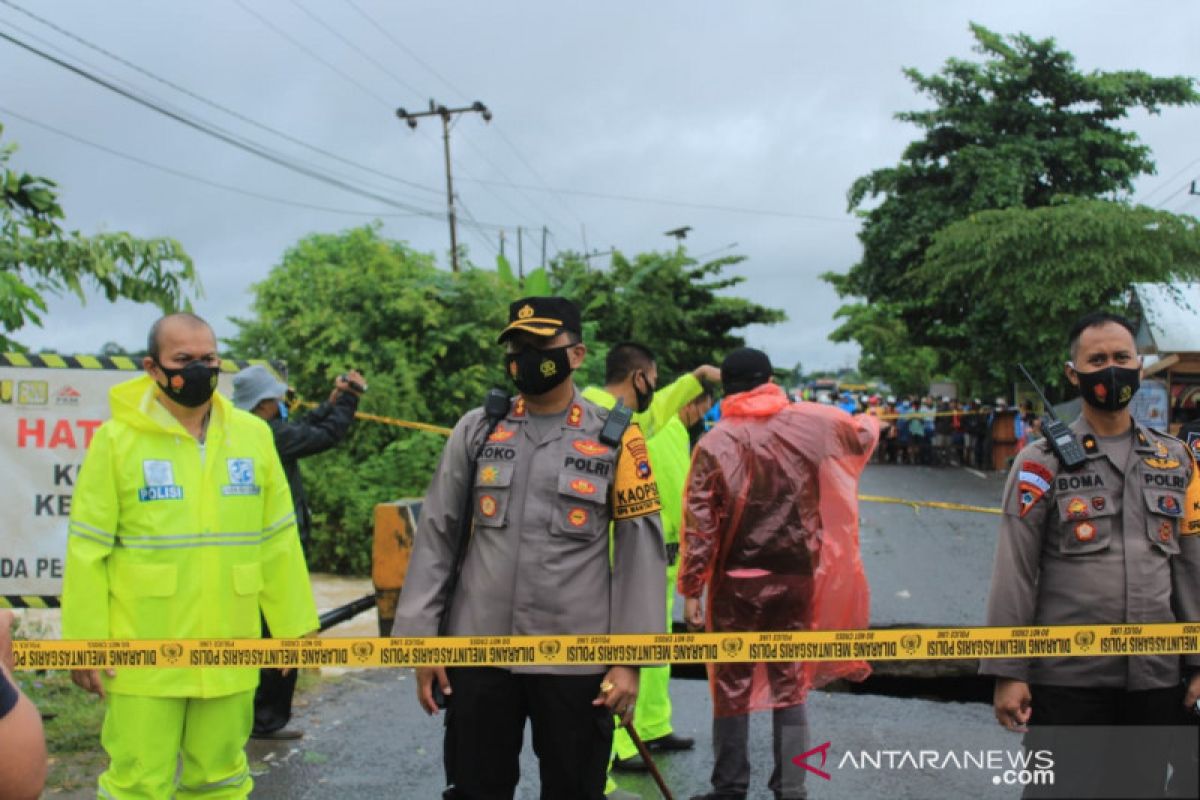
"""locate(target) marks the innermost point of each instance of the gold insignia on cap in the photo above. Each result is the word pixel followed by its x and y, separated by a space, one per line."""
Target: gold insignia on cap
pixel 526 312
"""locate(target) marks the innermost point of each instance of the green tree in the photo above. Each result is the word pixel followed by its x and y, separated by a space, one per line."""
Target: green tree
pixel 1018 129
pixel 424 338
pixel 1020 277
pixel 888 350
pixel 37 257
pixel 426 341
pixel 678 307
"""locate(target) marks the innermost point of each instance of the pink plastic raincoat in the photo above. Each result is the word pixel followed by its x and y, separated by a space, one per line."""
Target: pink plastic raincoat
pixel 771 526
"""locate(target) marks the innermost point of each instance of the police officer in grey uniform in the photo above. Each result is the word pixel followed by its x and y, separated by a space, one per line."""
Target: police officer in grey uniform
pixel 547 487
pixel 1106 543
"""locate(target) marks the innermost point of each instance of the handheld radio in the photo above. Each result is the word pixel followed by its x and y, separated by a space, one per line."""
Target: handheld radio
pixel 1062 441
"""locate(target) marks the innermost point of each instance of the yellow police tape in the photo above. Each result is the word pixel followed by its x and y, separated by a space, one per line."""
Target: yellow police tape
pixel 919 504
pixel 398 423
pixel 901 644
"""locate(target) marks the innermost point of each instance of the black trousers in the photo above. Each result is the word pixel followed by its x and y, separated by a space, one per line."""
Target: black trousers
pixel 485 728
pixel 1091 764
pixel 273 697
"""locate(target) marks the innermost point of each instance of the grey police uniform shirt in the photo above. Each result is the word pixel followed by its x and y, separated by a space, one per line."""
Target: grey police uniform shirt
pixel 1105 544
pixel 538 561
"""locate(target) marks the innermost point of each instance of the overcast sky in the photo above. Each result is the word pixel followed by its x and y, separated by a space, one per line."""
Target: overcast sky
pixel 769 107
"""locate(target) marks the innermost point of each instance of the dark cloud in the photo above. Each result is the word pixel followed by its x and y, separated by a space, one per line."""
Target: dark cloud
pixel 771 106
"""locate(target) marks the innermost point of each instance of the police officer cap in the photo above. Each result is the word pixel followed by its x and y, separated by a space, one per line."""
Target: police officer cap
pixel 542 316
pixel 253 385
pixel 744 369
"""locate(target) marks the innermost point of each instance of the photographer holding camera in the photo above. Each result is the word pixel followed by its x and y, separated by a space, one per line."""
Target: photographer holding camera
pixel 255 389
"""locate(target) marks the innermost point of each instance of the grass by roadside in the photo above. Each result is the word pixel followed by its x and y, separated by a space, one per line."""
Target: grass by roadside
pixel 72 720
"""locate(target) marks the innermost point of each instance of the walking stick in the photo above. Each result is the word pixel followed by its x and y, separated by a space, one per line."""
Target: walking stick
pixel 645 754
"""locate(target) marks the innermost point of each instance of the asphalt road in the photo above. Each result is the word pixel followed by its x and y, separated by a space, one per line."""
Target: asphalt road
pixel 366 738
pixel 928 566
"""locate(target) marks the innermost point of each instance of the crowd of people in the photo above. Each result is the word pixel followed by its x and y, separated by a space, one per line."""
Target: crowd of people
pixel 941 431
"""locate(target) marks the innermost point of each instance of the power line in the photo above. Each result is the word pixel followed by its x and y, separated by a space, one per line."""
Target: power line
pixel 357 49
pixel 477 228
pixel 1172 196
pixel 218 134
pixel 210 103
pixel 470 143
pixel 311 53
pixel 405 48
pixel 1167 182
pixel 668 202
pixel 192 177
pixel 462 95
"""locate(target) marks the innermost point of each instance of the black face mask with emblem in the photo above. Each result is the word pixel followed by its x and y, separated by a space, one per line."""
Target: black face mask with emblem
pixel 535 372
pixel 192 385
pixel 1109 389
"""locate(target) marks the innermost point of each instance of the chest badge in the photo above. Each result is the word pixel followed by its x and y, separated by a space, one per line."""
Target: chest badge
pixel 1164 531
pixel 160 482
pixel 502 434
pixel 1085 531
pixel 487 506
pixel 583 486
pixel 590 448
pixel 1099 503
pixel 1077 508
pixel 1168 505
pixel 241 478
pixel 1155 462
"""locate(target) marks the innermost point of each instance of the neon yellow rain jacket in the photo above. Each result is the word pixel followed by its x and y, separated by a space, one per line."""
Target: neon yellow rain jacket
pixel 171 539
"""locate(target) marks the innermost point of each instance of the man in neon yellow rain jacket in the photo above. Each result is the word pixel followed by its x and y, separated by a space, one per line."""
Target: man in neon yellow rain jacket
pixel 182 527
pixel 631 375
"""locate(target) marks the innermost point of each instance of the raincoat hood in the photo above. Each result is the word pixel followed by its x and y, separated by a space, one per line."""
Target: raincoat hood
pixel 761 401
pixel 133 403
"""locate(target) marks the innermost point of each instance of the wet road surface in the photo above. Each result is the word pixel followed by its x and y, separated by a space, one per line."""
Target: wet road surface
pixel 366 737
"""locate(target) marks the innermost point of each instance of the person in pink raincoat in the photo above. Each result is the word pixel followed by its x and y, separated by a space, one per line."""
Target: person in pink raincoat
pixel 770 530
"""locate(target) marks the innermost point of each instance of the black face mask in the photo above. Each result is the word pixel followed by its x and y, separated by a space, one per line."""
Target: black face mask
pixel 535 372
pixel 1109 389
pixel 191 386
pixel 643 399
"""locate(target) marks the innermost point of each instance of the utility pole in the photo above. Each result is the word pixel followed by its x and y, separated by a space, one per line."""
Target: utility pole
pixel 502 242
pixel 520 256
pixel 446 114
pixel 544 232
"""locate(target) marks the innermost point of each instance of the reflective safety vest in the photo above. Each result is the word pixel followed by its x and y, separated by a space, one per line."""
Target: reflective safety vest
pixel 170 538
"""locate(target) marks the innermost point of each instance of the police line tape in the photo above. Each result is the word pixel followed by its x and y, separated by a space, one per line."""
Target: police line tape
pixel 916 505
pixel 397 423
pixel 900 644
pixel 928 414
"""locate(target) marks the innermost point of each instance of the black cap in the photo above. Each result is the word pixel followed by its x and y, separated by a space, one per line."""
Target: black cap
pixel 542 316
pixel 744 369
